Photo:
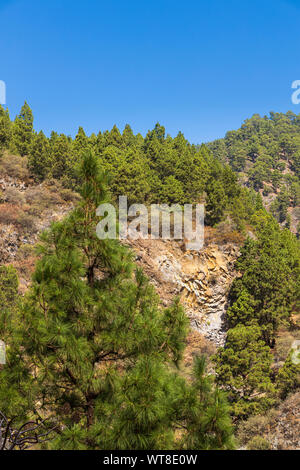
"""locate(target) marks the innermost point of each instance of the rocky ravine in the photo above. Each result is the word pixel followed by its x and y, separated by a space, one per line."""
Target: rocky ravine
pixel 202 279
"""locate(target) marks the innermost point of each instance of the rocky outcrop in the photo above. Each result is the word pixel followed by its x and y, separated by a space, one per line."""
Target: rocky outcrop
pixel 9 182
pixel 202 279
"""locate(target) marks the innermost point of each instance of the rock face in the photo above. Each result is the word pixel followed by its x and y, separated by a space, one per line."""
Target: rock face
pixel 10 242
pixel 10 182
pixel 202 279
pixel 205 291
pixel 26 209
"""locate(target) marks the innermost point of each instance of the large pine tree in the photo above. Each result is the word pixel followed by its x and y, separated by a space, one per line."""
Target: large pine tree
pixel 23 130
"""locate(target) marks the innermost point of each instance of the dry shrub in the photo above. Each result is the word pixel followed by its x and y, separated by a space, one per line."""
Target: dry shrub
pixel 222 235
pixel 25 261
pixel 35 209
pixel 25 267
pixel 9 214
pixel 252 427
pixel 15 167
pixel 68 195
pixel 234 237
pixel 27 222
pixel 13 196
pixel 12 215
pixel 41 196
pixel 296 212
pixel 209 234
pixel 25 251
pixel 197 345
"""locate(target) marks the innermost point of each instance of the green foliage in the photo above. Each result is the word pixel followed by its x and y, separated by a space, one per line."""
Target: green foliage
pixel 268 289
pixel 8 299
pixel 207 423
pixel 262 299
pixel 288 377
pixel 62 161
pixel 81 142
pixel 243 367
pixel 23 130
pixel 94 349
pixel 280 206
pixel 258 443
pixel 265 152
pixel 5 129
pixel 215 202
pixel 39 158
pixel 154 169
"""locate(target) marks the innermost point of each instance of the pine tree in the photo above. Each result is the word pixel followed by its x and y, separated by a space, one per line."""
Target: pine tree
pixel 172 191
pixel 268 288
pixel 8 301
pixel 81 142
pixel 114 137
pixel 215 202
pixel 243 367
pixel 39 159
pixel 5 129
pixel 128 136
pixel 62 159
pixel 100 144
pixel 132 177
pixel 23 130
pixel 207 423
pixel 288 377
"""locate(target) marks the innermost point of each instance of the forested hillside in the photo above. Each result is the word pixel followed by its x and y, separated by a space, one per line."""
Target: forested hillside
pixel 154 169
pixel 265 154
pixel 90 345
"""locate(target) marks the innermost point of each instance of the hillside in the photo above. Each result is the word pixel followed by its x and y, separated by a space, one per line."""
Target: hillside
pixel 203 280
pixel 265 154
pixel 82 302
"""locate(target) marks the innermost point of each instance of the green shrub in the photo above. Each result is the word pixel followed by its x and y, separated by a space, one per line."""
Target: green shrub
pixel 258 443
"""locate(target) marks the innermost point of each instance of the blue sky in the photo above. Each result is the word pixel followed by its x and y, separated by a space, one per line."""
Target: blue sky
pixel 201 67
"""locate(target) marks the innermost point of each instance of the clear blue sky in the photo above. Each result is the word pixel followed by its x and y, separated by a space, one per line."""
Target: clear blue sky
pixel 197 66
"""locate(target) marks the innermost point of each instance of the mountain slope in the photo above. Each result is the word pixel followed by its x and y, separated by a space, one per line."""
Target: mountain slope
pixel 265 153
